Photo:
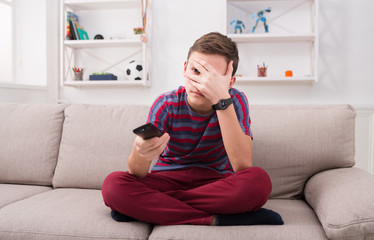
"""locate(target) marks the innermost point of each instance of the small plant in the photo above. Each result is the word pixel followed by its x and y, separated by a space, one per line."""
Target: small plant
pixel 138 30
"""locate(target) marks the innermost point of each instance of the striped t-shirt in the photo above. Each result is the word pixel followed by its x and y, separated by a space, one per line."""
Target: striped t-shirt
pixel 195 140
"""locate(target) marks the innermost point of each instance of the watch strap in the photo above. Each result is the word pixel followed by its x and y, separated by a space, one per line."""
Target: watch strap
pixel 223 104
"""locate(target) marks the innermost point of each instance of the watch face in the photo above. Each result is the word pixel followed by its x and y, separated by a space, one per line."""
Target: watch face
pixel 222 103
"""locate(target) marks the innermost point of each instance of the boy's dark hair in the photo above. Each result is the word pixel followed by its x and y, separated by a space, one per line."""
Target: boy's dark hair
pixel 217 43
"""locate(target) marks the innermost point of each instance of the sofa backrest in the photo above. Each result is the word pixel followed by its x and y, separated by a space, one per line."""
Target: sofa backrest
pixel 30 136
pixel 96 140
pixel 292 143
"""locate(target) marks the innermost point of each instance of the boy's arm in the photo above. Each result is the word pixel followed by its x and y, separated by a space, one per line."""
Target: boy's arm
pixel 214 87
pixel 238 145
pixel 143 152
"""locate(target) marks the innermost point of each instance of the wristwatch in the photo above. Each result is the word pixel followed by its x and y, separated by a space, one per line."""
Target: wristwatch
pixel 222 104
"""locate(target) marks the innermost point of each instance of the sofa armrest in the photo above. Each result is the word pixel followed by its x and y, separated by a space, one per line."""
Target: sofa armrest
pixel 343 200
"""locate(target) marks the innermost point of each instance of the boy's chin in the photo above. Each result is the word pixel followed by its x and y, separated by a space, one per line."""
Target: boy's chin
pixel 199 104
pixel 197 99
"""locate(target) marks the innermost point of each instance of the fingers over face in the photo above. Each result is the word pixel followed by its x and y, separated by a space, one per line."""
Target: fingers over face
pixel 202 65
pixel 193 77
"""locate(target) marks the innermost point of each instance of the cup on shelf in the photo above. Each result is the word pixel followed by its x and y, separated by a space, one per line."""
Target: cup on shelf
pixel 261 71
pixel 78 76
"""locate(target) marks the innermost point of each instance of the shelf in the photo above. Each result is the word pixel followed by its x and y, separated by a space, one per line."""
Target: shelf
pixel 107 83
pixel 275 80
pixel 101 5
pixel 262 0
pixel 257 37
pixel 102 43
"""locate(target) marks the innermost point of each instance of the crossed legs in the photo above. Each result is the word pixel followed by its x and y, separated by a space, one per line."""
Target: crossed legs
pixel 188 196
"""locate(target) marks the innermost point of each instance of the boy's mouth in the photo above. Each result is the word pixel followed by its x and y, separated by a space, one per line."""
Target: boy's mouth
pixel 198 94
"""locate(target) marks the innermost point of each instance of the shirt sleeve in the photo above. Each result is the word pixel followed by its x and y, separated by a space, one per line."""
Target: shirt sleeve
pixel 242 112
pixel 158 113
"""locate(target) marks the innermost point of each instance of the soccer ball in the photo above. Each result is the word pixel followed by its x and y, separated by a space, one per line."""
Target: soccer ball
pixel 134 70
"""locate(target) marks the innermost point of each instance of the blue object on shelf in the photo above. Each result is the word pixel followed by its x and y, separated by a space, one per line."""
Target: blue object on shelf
pixel 103 77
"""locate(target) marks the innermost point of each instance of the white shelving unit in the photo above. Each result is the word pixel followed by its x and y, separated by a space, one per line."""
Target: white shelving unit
pixel 290 44
pixel 115 20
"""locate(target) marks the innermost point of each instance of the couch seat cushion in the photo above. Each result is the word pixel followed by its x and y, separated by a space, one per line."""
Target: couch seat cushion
pixel 66 214
pixel 300 223
pixel 10 193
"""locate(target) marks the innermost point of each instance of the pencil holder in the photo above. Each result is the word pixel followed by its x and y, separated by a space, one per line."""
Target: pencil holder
pixel 261 71
pixel 78 76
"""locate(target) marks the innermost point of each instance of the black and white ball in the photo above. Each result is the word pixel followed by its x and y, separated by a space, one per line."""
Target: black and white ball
pixel 134 70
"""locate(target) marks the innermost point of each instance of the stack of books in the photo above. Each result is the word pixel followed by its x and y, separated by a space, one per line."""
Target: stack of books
pixel 73 30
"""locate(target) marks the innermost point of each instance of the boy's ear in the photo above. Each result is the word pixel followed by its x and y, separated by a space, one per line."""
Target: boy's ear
pixel 185 66
pixel 232 81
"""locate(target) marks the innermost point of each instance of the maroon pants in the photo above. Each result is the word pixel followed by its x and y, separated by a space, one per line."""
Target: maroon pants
pixel 187 196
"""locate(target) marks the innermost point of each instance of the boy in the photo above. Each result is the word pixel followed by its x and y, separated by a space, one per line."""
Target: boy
pixel 204 173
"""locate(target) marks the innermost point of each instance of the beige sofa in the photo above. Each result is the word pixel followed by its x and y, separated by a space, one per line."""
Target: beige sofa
pixel 54 158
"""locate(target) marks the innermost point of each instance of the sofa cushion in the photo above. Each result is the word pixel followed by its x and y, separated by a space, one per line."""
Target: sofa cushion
pixel 66 214
pixel 343 200
pixel 30 136
pixel 300 223
pixel 292 143
pixel 96 141
pixel 11 193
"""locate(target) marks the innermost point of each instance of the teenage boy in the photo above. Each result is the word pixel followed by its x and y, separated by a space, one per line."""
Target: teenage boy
pixel 204 173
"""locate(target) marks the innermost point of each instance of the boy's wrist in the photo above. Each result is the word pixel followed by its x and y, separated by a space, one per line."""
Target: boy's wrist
pixel 223 104
pixel 220 97
pixel 138 166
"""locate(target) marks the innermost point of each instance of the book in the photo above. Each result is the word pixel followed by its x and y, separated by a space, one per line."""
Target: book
pixel 71 19
pixel 82 34
pixel 72 16
pixel 73 34
pixel 76 26
pixel 68 33
pixel 102 77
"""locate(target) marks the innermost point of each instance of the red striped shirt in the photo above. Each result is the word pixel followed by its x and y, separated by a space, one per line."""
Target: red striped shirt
pixel 195 140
